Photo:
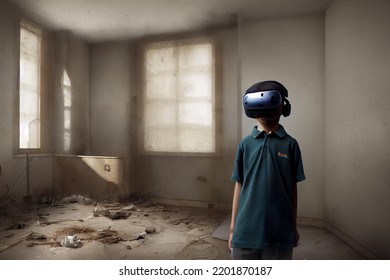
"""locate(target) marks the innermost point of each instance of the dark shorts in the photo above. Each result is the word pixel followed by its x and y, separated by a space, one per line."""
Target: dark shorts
pixel 269 253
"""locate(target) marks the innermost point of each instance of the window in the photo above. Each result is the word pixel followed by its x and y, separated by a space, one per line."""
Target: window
pixel 67 101
pixel 178 104
pixel 29 87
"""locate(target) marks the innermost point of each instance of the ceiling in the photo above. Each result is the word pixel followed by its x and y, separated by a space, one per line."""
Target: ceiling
pixel 108 20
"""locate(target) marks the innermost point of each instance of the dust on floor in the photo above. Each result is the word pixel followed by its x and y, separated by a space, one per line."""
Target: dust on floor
pixel 78 228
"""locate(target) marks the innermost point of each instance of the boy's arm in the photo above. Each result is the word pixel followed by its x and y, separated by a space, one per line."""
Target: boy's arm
pixel 236 203
pixel 294 202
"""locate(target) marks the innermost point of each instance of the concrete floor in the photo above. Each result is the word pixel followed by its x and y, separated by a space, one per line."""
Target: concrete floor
pixel 138 230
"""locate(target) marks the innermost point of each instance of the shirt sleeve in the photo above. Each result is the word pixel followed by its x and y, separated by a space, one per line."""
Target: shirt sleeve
pixel 238 170
pixel 299 173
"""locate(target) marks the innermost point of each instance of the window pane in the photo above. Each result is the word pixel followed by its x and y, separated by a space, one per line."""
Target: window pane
pixel 160 60
pixel 196 85
pixel 199 55
pixel 160 114
pixel 161 140
pixel 161 87
pixel 196 113
pixel 67 95
pixel 29 98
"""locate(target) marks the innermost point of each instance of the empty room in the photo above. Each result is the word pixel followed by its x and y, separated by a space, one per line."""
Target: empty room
pixel 122 123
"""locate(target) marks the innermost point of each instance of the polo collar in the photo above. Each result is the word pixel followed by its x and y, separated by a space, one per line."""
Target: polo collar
pixel 281 132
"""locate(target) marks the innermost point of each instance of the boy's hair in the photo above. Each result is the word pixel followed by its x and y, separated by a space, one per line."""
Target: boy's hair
pixel 268 85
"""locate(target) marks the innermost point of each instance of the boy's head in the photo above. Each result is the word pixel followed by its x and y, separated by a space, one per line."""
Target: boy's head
pixel 267 99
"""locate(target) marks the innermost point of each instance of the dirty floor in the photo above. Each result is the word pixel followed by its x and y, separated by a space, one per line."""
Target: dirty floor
pixel 137 230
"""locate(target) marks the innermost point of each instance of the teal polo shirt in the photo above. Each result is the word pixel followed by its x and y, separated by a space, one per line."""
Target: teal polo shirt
pixel 267 166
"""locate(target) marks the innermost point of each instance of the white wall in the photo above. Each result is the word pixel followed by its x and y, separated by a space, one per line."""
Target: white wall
pixel 291 51
pixel 357 173
pixel 110 96
pixel 8 83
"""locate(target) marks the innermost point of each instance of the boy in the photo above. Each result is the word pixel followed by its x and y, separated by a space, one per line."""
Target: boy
pixel 267 168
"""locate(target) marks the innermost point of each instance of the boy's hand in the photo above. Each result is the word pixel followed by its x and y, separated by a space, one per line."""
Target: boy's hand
pixel 230 241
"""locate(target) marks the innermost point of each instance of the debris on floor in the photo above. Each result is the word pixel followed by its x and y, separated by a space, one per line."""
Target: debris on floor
pixel 71 241
pixel 61 200
pixel 111 211
pixel 42 221
pixel 36 236
pixel 133 228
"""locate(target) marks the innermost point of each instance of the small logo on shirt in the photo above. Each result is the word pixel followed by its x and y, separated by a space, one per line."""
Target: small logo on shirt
pixel 280 154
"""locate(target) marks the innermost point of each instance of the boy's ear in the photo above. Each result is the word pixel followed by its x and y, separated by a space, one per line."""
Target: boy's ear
pixel 286 108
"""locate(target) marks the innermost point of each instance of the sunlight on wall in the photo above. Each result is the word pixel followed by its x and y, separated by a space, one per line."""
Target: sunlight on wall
pixel 67 95
pixel 107 168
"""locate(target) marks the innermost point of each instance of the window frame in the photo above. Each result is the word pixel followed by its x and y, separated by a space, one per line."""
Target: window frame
pixel 216 94
pixel 42 88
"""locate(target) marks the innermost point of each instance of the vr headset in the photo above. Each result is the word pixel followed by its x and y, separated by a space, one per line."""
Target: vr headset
pixel 264 104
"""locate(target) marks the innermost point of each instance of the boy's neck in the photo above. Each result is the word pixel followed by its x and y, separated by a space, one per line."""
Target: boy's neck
pixel 269 126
